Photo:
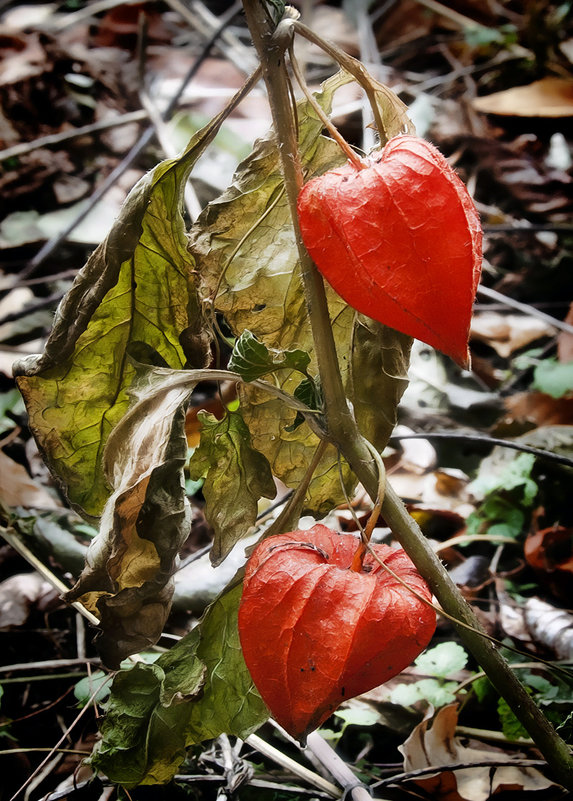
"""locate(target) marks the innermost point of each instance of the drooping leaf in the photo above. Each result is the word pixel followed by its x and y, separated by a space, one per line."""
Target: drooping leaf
pixel 143 740
pixel 137 289
pixel 236 477
pixel 399 238
pixel 196 691
pixel 378 377
pixel 252 359
pixel 246 255
pixel 315 632
pixel 127 581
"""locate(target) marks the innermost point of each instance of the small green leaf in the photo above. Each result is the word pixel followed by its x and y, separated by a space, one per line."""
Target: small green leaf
pixel 10 401
pixel 510 725
pixel 442 660
pixel 357 716
pixel 554 378
pixel 484 689
pixel 252 359
pixel 437 693
pixel 308 392
pixel 93 688
pixel 236 477
pixel 432 691
pixel 406 694
pixel 513 474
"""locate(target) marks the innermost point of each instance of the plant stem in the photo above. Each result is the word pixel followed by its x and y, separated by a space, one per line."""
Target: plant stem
pixel 343 431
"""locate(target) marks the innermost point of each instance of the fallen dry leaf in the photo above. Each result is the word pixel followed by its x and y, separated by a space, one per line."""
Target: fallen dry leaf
pixel 550 553
pixel 565 340
pixel 549 97
pixel 19 594
pixel 438 747
pixel 506 333
pixel 18 489
pixel 551 627
pixel 538 409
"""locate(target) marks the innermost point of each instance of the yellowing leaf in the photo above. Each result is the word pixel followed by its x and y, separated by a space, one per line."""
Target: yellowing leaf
pixel 136 293
pixel 246 255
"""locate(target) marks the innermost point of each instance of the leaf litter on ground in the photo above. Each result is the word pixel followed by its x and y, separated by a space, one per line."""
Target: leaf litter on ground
pixel 512 173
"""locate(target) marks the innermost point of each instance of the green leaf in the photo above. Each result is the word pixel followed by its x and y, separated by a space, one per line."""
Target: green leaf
pixel 378 377
pixel 127 582
pixel 94 688
pixel 510 725
pixel 136 290
pixel 236 477
pixel 442 660
pixel 358 716
pixel 196 691
pixel 248 262
pixel 554 378
pixel 10 401
pixel 506 473
pixel 308 392
pixel 484 689
pixel 252 359
pixel 430 690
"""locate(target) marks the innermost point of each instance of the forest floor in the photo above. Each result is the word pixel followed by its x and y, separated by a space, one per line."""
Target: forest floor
pixel 83 89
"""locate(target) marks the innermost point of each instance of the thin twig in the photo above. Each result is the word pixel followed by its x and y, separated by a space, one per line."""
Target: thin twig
pixel 198 17
pixel 32 308
pixel 48 768
pixel 454 16
pixel 483 439
pixel 337 767
pixel 56 795
pixel 48 664
pixel 53 750
pixel 45 572
pixel 399 778
pixel 525 308
pixel 512 228
pixel 296 768
pixel 24 148
pixel 87 12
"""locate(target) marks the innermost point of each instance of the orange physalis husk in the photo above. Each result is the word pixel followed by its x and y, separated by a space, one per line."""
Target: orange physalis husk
pixel 315 633
pixel 399 240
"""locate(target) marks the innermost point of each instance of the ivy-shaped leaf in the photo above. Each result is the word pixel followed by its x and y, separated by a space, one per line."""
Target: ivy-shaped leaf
pixel 252 359
pixel 236 477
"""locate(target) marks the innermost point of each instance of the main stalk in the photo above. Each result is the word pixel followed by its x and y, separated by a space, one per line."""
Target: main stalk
pixel 343 431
